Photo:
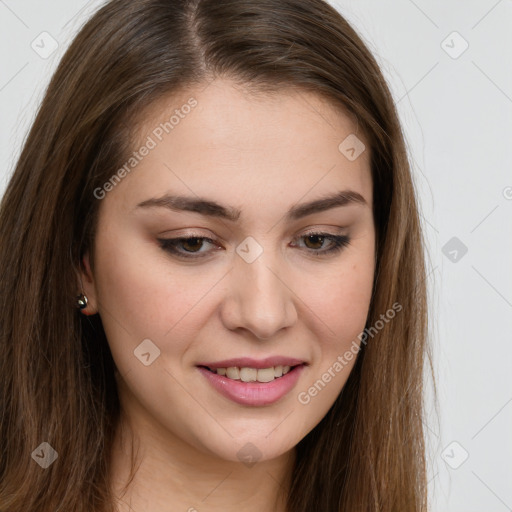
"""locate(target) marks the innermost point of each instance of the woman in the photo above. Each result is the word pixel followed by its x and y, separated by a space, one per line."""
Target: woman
pixel 213 290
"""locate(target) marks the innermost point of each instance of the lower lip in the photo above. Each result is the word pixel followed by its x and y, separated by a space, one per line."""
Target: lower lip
pixel 253 393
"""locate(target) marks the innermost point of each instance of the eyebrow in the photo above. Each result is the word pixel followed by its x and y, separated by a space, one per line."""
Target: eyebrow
pixel 211 208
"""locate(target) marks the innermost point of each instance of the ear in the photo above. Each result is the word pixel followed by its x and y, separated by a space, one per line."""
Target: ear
pixel 87 286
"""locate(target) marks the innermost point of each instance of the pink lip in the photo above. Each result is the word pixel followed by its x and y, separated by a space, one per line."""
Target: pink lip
pixel 247 362
pixel 253 393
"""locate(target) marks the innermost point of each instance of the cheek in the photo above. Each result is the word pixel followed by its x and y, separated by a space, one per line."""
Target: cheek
pixel 341 301
pixel 137 296
pixel 340 293
pixel 131 292
pixel 141 296
pixel 341 307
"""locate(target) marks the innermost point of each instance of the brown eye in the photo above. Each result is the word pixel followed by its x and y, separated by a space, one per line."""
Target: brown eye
pixel 195 245
pixel 314 243
pixel 316 240
pixel 186 247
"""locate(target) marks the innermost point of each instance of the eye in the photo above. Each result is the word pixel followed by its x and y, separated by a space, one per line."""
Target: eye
pixel 315 241
pixel 189 247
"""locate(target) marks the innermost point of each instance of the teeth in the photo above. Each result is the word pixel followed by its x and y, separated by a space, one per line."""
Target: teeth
pixel 253 374
pixel 233 373
pixel 266 374
pixel 248 374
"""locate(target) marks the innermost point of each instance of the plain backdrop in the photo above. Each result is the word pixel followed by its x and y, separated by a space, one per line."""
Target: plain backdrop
pixel 448 65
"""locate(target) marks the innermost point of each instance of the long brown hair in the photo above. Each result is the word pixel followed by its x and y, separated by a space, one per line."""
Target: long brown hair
pixel 56 371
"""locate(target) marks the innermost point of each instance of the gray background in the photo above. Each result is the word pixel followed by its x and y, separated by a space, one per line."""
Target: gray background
pixel 456 108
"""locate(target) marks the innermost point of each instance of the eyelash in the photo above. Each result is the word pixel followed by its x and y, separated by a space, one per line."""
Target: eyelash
pixel 169 244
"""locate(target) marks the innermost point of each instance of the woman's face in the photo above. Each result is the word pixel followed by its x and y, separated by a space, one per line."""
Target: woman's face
pixel 251 283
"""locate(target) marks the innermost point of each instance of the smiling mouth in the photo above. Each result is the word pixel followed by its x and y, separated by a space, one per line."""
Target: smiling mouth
pixel 246 374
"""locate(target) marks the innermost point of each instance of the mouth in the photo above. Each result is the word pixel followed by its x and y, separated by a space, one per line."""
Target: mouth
pixel 246 385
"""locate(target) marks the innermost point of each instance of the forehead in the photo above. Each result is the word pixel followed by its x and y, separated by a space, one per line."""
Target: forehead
pixel 240 146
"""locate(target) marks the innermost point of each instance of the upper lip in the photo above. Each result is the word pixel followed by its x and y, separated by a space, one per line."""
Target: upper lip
pixel 248 362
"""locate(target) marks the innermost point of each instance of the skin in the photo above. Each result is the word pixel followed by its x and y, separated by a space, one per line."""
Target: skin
pixel 261 154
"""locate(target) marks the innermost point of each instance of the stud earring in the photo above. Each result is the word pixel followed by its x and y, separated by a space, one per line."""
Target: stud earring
pixel 81 301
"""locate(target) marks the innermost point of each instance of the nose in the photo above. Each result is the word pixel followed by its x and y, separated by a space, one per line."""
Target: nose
pixel 258 299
